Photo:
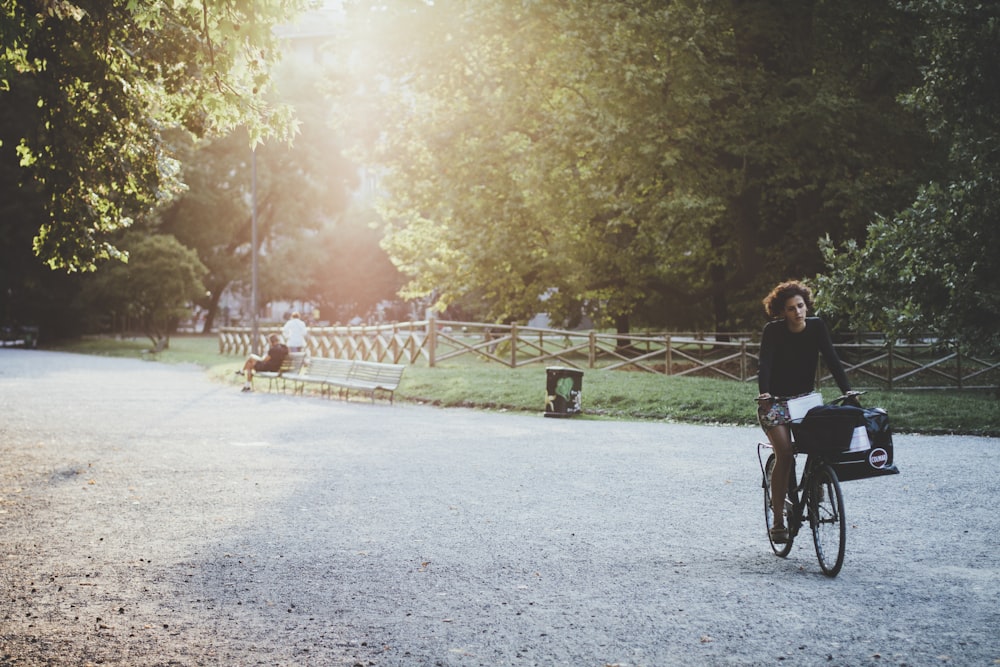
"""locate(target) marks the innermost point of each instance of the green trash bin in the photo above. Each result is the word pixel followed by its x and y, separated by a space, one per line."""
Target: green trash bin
pixel 563 387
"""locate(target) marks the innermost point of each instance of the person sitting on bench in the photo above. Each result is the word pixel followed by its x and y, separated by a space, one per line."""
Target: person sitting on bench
pixel 269 362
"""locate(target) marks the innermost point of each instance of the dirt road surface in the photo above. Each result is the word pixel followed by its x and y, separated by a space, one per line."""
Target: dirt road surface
pixel 149 516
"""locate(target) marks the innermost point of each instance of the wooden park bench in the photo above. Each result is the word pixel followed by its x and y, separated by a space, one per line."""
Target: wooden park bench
pixel 320 371
pixel 346 375
pixel 373 377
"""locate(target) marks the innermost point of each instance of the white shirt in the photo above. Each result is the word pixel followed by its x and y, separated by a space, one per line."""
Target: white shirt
pixel 294 332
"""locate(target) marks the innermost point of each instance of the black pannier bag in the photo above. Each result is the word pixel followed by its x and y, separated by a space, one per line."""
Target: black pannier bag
pixel 830 430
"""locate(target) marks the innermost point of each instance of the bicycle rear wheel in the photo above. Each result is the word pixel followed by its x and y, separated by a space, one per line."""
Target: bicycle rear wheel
pixel 779 549
pixel 826 518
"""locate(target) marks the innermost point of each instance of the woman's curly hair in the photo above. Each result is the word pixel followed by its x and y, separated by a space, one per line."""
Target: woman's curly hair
pixel 774 303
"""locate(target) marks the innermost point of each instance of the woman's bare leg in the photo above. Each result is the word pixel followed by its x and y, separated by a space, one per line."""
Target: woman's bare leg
pixel 781 443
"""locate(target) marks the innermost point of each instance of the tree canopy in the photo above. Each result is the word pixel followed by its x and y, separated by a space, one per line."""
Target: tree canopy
pixel 302 188
pixel 154 289
pixel 639 161
pixel 934 267
pixel 629 160
pixel 97 83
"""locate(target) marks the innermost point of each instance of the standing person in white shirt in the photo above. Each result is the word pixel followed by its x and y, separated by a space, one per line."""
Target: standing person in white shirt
pixel 295 332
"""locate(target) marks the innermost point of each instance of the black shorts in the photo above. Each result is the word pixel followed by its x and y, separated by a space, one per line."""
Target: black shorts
pixel 266 367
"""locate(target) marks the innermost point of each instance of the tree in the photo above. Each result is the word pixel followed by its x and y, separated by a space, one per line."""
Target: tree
pixel 588 157
pixel 934 267
pixel 212 215
pixel 30 293
pixel 799 136
pixel 520 164
pixel 342 269
pixel 98 82
pixel 302 187
pixel 157 286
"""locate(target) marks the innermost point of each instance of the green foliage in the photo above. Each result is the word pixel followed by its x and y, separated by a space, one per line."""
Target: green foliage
pixel 634 161
pixel 155 288
pixel 100 81
pixel 212 215
pixel 931 269
pixel 934 267
pixel 312 247
pixel 588 157
pixel 341 269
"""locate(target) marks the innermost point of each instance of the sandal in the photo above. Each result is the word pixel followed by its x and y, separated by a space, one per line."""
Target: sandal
pixel 779 535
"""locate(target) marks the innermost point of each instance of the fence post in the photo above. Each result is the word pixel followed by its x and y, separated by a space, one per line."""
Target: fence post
pixel 390 344
pixel 592 352
pixel 890 365
pixel 668 340
pixel 958 362
pixel 409 345
pixel 431 340
pixel 513 344
pixel 743 361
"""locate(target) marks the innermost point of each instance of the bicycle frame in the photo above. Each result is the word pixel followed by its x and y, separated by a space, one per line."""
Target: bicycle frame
pixel 814 497
pixel 796 487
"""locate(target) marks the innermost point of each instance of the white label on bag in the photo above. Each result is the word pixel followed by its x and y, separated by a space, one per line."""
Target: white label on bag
pixel 860 441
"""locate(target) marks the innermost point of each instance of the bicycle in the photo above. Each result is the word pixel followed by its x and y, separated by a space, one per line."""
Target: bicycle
pixel 815 498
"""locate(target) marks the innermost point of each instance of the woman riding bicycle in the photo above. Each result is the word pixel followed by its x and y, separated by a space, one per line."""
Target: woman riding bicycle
pixel 789 350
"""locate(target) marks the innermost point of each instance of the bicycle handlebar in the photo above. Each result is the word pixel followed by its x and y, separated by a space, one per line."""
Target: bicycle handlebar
pixel 840 399
pixel 849 396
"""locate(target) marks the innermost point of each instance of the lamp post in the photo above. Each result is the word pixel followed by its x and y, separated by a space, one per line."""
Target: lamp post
pixel 255 328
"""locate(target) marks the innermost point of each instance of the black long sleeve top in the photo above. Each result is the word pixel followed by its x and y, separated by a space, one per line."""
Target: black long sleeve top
pixel 788 360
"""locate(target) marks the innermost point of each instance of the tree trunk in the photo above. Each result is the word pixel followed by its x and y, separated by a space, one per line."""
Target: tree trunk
pixel 623 345
pixel 213 308
pixel 717 278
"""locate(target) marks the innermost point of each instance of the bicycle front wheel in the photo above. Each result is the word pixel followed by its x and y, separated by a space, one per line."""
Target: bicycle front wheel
pixel 826 518
pixel 779 549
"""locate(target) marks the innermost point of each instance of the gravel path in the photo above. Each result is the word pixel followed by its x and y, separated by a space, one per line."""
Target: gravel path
pixel 151 517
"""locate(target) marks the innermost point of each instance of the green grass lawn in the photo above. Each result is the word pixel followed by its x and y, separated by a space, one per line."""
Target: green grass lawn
pixel 474 383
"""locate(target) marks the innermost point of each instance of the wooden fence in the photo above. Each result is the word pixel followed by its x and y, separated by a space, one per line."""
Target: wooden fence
pixel 870 360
